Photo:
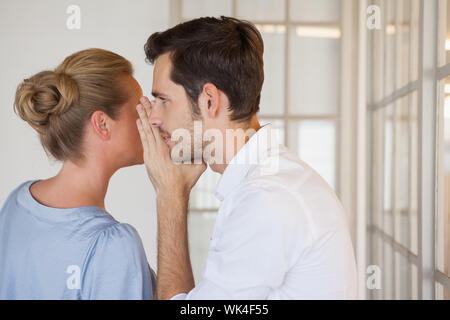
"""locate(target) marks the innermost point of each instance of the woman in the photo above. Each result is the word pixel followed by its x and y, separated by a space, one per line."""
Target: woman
pixel 57 241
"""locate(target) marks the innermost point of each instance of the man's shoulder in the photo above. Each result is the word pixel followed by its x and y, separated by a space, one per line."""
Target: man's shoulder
pixel 280 166
pixel 284 172
pixel 294 193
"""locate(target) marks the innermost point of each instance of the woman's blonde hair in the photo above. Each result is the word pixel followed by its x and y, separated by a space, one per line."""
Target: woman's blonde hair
pixel 59 103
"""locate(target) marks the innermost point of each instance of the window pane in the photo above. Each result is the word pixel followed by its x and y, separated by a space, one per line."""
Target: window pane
pixel 377 65
pixel 414 61
pixel 203 224
pixel 272 96
pixel 414 282
pixel 388 272
pixel 403 18
pixel 377 260
pixel 257 10
pixel 199 8
pixel 414 171
pixel 439 291
pixel 377 167
pixel 202 195
pixel 442 293
pixel 388 162
pixel 314 11
pixel 444 32
pixel 402 277
pixel 315 143
pixel 390 11
pixel 443 207
pixel 390 30
pixel 314 70
pixel 402 172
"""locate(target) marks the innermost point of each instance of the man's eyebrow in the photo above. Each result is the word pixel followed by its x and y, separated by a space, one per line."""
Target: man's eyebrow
pixel 157 94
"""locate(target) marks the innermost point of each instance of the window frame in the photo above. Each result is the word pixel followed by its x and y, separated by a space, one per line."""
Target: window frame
pixel 429 149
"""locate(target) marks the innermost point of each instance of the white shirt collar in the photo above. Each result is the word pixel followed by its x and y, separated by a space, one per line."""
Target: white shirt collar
pixel 251 154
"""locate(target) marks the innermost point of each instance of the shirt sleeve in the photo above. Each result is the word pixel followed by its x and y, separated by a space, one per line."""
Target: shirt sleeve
pixel 117 267
pixel 255 247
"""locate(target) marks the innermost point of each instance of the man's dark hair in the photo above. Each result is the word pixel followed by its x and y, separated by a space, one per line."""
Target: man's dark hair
pixel 224 51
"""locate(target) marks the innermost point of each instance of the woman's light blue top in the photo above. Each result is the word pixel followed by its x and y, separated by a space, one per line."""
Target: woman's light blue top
pixel 77 253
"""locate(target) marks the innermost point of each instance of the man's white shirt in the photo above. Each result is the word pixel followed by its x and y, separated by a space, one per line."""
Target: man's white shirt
pixel 280 232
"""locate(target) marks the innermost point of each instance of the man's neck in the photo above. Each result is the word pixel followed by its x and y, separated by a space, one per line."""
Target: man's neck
pixel 242 137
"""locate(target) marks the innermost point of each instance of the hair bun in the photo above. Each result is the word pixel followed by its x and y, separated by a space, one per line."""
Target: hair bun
pixel 44 95
pixel 68 90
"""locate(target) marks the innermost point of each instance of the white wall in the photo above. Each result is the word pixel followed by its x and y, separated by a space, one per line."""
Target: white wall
pixel 34 37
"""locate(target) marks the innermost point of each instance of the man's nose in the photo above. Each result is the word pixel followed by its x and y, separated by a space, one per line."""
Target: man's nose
pixel 156 115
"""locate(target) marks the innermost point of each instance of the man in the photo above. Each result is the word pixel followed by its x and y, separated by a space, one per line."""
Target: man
pixel 280 231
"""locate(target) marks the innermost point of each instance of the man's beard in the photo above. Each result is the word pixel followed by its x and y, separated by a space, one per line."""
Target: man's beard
pixel 195 128
pixel 197 143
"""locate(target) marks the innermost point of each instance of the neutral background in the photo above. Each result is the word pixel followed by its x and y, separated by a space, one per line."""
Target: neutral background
pixel 34 37
pixel 368 108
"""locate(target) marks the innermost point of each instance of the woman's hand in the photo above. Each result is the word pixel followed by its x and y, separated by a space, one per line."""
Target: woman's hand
pixel 166 176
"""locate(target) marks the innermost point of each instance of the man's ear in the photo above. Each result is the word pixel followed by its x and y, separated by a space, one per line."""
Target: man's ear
pixel 101 125
pixel 210 100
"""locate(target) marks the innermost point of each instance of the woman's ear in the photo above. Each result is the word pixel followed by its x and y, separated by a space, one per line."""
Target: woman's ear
pixel 210 100
pixel 100 124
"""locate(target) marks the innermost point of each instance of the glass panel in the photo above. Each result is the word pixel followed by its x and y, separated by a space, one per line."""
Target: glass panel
pixel 276 125
pixel 314 70
pixel 389 71
pixel 390 11
pixel 439 291
pixel 414 171
pixel 442 293
pixel 272 96
pixel 414 282
pixel 388 161
pixel 388 272
pixel 377 167
pixel 378 63
pixel 202 195
pixel 261 10
pixel 403 17
pixel 414 45
pixel 315 143
pixel 443 207
pixel 203 224
pixel 444 32
pixel 401 171
pixel 192 9
pixel 402 277
pixel 377 256
pixel 315 11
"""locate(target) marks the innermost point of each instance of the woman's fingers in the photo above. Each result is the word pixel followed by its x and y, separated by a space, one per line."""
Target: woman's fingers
pixel 155 130
pixel 158 139
pixel 142 135
pixel 147 105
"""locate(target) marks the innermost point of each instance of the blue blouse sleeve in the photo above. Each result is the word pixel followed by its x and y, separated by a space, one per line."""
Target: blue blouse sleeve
pixel 116 267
